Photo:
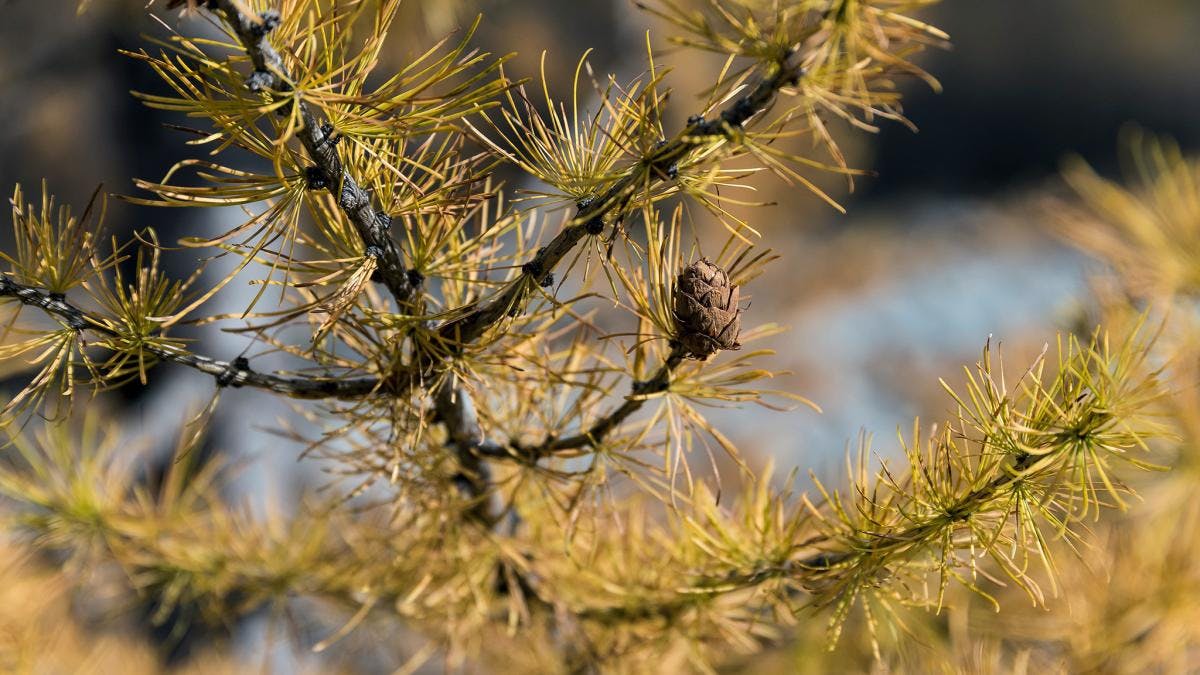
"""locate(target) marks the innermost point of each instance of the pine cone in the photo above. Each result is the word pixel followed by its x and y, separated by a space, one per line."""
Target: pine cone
pixel 707 316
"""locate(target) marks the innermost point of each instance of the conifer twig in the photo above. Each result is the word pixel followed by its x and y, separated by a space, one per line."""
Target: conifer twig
pixel 320 142
pixel 372 226
pixel 236 373
pixel 456 409
pixel 593 215
pixel 1023 483
pixel 591 219
pixel 595 434
pixel 887 546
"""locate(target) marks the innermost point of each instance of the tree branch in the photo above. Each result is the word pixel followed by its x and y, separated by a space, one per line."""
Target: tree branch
pixel 880 550
pixel 236 373
pixel 320 142
pixel 593 215
pixel 595 434
pixel 456 409
pixel 451 399
pixel 591 219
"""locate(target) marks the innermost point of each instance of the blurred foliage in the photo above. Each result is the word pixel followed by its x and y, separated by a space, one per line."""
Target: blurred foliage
pixel 1151 225
pixel 1124 595
pixel 513 483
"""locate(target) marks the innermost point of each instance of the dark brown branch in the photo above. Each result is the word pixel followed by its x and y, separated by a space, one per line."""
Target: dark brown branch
pixel 372 226
pixel 591 218
pixel 456 409
pixel 594 215
pixel 596 433
pixel 320 142
pixel 236 373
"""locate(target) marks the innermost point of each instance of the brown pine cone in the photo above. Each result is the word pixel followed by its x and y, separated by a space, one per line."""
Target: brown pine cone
pixel 707 316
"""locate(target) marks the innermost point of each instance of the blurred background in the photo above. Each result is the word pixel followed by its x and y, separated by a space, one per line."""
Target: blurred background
pixel 948 245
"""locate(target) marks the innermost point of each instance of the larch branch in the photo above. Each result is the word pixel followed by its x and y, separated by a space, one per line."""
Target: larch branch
pixel 372 226
pixel 599 430
pixel 236 373
pixel 320 142
pixel 594 215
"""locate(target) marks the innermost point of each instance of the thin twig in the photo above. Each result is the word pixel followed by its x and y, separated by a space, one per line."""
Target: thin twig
pixel 591 218
pixel 594 215
pixel 236 373
pixel 596 433
pixel 813 564
pixel 373 226
pixel 320 142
